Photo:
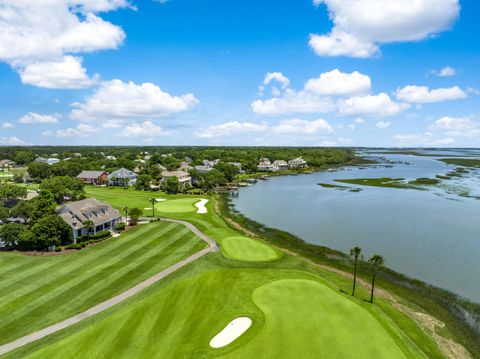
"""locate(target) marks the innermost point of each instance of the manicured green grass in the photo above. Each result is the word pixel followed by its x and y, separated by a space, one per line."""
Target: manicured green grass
pixel 177 205
pixel 294 316
pixel 38 291
pixel 178 316
pixel 247 249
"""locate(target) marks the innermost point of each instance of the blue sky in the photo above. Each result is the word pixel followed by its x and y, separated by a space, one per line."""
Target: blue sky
pixel 323 72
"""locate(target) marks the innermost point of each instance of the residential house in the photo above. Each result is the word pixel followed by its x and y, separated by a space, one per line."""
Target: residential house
pixel 6 164
pixel 93 177
pixel 111 158
pixel 208 163
pixel 238 165
pixel 297 163
pixel 122 178
pixel 203 169
pixel 184 166
pixel 75 214
pixel 183 177
pixel 280 165
pixel 265 165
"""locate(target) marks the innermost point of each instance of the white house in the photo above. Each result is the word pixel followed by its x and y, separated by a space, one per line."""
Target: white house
pixel 183 177
pixel 103 216
pixel 265 165
pixel 297 163
pixel 122 178
pixel 280 165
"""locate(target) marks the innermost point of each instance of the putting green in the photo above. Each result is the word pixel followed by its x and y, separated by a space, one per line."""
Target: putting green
pixel 181 205
pixel 305 319
pixel 247 249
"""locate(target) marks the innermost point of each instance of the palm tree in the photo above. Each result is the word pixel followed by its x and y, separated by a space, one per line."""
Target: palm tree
pixel 355 254
pixel 377 261
pixel 153 201
pixel 126 209
pixel 89 224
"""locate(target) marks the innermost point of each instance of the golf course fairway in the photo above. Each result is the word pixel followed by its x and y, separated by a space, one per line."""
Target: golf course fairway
pixel 243 248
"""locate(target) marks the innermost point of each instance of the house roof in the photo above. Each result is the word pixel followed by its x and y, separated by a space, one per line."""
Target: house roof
pixel 178 174
pixel 122 173
pixel 76 213
pixel 91 174
pixel 6 162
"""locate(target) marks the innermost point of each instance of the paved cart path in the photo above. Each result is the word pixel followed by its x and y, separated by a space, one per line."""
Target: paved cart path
pixel 212 247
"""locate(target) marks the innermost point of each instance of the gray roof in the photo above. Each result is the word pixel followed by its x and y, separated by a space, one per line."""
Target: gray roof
pixel 76 213
pixel 122 173
pixel 90 174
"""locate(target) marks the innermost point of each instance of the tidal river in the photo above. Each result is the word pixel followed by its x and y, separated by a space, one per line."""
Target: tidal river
pixel 431 235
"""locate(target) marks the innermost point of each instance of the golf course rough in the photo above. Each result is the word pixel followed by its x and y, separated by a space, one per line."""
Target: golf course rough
pixel 244 248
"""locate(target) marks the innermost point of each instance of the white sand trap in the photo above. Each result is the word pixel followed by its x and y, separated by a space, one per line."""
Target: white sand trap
pixel 232 331
pixel 201 205
pixel 147 209
pixel 160 199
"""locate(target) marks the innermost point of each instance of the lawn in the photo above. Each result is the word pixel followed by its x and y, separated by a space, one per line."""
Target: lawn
pixel 294 314
pixel 38 291
pixel 297 308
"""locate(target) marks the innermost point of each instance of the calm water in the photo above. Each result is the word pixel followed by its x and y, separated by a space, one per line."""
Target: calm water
pixel 429 235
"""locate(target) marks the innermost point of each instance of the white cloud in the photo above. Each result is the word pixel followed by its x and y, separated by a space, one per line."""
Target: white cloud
pixel 12 141
pixel 457 126
pixel 422 94
pixel 360 26
pixel 336 83
pixel 7 125
pixel 147 130
pixel 119 100
pixel 231 128
pixel 447 71
pixel 67 73
pixel 82 130
pixel 380 105
pixel 33 33
pixel 276 76
pixel 383 124
pixel 422 140
pixel 293 102
pixel 302 127
pixel 36 118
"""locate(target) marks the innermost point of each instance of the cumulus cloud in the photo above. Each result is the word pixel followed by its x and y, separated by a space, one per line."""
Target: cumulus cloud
pixel 41 35
pixel 276 76
pixel 422 94
pixel 361 26
pixel 82 130
pixel 302 127
pixel 7 125
pixel 33 118
pixel 12 141
pixel 66 73
pixel 231 128
pixel 116 100
pixel 147 130
pixel 293 102
pixel 380 105
pixel 447 71
pixel 383 124
pixel 457 126
pixel 422 140
pixel 336 83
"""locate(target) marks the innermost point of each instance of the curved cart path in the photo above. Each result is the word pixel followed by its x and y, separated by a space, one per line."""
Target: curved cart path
pixel 212 247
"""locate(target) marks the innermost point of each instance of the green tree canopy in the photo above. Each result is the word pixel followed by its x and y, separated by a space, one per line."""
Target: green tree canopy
pixel 63 187
pixel 172 185
pixel 23 210
pixel 10 232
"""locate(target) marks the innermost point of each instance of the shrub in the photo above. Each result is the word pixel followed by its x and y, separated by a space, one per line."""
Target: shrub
pixel 101 235
pixel 74 246
pixel 58 249
pixel 120 227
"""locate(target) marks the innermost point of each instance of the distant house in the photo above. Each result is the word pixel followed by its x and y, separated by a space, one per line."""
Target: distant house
pixel 203 169
pixel 265 165
pixel 280 165
pixel 238 165
pixel 184 166
pixel 163 168
pixel 122 178
pixel 50 161
pixel 183 177
pixel 77 154
pixel 103 216
pixel 208 163
pixel 93 177
pixel 7 164
pixel 111 158
pixel 297 163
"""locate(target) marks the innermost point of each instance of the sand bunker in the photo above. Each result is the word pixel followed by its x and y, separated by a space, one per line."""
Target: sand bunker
pixel 147 209
pixel 160 199
pixel 232 331
pixel 201 206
